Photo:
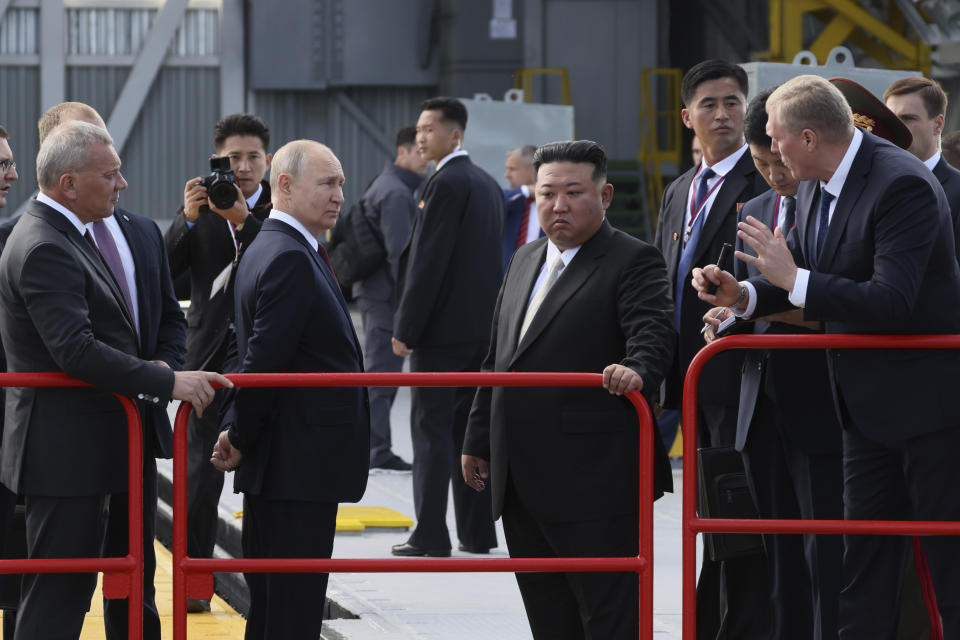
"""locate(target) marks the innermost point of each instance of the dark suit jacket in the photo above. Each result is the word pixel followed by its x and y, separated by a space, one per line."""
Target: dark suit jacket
pixel 5 230
pixel 720 380
pixel 515 203
pixel 63 311
pixel 572 453
pixel 450 269
pixel 950 181
pixel 298 444
pixel 888 265
pixel 205 250
pixel 162 326
pixel 797 380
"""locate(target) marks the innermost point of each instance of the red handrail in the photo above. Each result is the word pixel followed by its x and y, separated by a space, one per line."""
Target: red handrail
pixel 122 577
pixel 193 577
pixel 692 524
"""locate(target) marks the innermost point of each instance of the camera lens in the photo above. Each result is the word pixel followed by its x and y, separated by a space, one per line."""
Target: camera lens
pixel 222 194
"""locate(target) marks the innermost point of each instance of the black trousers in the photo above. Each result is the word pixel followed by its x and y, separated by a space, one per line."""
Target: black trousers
pixel 286 606
pixel 804 570
pixel 53 605
pixel 912 479
pixel 116 613
pixel 575 606
pixel 438 422
pixel 733 596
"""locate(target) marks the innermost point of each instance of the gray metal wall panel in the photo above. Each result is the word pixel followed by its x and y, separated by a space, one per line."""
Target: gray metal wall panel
pixel 19 107
pixel 97 86
pixel 318 116
pixel 19 32
pixel 171 141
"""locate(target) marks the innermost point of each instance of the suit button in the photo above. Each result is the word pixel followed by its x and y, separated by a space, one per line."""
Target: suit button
pixel 156 400
pixel 139 396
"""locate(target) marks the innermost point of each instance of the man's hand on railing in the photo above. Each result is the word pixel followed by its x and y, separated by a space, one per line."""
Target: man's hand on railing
pixel 618 380
pixel 196 387
pixel 226 457
pixel 475 472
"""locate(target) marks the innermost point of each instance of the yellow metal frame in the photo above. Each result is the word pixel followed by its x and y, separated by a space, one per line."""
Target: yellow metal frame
pixel 653 150
pixel 523 79
pixel 845 21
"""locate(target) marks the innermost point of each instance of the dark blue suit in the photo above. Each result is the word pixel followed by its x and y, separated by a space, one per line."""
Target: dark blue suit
pixel 304 450
pixel 888 265
pixel 950 181
pixel 515 202
pixel 789 436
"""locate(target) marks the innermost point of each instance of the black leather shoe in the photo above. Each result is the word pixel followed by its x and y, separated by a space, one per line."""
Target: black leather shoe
pixel 464 548
pixel 407 549
pixel 197 606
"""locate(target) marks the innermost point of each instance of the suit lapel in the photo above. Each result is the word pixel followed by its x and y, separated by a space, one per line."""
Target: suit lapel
pixel 139 252
pixel 514 304
pixel 674 219
pixel 852 188
pixel 573 277
pixel 725 203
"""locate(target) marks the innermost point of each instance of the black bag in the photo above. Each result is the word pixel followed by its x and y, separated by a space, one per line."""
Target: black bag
pixel 723 493
pixel 356 246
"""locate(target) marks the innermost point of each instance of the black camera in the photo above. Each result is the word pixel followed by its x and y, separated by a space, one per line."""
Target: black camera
pixel 221 183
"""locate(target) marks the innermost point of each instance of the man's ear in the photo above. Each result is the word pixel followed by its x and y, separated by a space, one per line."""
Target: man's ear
pixel 686 119
pixel 606 195
pixel 269 159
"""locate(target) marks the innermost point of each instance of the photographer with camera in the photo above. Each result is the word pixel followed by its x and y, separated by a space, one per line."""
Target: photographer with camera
pixel 220 217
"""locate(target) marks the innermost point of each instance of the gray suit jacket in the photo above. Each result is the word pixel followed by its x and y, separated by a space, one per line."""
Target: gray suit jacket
pixel 62 311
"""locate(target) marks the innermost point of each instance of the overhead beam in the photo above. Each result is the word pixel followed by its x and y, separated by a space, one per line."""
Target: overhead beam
pixel 232 57
pixel 144 71
pixel 4 5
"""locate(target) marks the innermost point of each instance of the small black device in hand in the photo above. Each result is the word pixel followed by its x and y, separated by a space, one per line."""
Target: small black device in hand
pixel 726 253
pixel 221 183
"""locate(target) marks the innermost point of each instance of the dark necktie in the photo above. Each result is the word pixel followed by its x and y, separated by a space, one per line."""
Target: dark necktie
pixel 326 259
pixel 686 257
pixel 789 214
pixel 823 222
pixel 524 223
pixel 107 248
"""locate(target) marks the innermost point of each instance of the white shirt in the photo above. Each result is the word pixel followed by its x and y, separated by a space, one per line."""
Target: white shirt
pixel 798 295
pixel 721 169
pixel 456 153
pixel 552 253
pixel 533 224
pixel 276 214
pixel 126 259
pixel 932 161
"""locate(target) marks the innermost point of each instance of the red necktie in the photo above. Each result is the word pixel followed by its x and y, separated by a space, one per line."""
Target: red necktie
pixel 326 258
pixel 524 223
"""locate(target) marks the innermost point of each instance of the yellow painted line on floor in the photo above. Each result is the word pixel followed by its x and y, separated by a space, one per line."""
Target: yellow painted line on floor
pixel 676 451
pixel 352 518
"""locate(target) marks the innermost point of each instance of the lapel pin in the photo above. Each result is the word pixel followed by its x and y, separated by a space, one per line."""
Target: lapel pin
pixel 420 205
pixel 739 206
pixel 126 218
pixel 676 236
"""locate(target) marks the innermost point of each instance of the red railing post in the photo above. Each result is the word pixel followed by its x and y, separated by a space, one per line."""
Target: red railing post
pixel 122 577
pixel 692 524
pixel 183 566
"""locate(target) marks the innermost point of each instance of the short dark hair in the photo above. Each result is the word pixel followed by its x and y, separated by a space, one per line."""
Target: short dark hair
pixel 755 122
pixel 950 146
pixel 707 70
pixel 240 124
pixel 575 151
pixel 406 136
pixel 452 110
pixel 4 134
pixel 933 96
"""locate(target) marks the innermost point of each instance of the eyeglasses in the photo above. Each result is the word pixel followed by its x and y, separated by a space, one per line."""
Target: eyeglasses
pixel 6 166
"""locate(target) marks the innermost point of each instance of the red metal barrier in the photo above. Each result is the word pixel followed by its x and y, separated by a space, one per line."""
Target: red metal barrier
pixel 692 524
pixel 193 577
pixel 122 577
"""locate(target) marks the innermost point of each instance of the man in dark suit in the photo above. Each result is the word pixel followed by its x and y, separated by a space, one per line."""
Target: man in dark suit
pixel 161 327
pixel 699 215
pixel 520 225
pixel 872 252
pixel 589 298
pixel 921 103
pixel 207 242
pixel 63 310
pixel 297 452
pixel 449 276
pixel 787 430
pixel 388 203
